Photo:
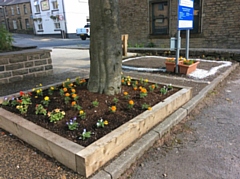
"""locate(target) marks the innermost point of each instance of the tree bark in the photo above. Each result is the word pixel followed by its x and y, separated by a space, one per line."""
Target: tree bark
pixel 105 47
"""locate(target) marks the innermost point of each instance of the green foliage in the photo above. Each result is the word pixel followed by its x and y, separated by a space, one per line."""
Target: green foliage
pixel 5 39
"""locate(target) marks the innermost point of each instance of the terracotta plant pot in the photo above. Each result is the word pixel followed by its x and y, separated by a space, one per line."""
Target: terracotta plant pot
pixel 170 67
pixel 186 69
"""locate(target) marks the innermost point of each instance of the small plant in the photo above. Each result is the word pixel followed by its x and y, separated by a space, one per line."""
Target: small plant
pixel 72 124
pixel 45 101
pixel 67 98
pixel 145 106
pixel 76 106
pixel 113 109
pixel 23 102
pixel 101 123
pixel 56 115
pixel 153 87
pixel 39 109
pixel 95 103
pixel 75 97
pixel 6 101
pixel 126 80
pixel 81 82
pixel 38 90
pixel 130 104
pixel 85 134
pixel 143 92
pixel 115 100
pixel 169 87
pixel 126 95
pixel 63 91
pixel 145 82
pixel 163 90
pixel 51 90
pixel 188 62
pixel 82 114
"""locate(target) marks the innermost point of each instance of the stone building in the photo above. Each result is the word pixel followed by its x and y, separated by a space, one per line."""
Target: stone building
pixel 16 15
pixel 216 23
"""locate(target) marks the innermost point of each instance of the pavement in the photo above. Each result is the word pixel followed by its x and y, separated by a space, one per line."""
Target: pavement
pixel 215 153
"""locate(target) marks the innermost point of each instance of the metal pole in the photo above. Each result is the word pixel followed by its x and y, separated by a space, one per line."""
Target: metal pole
pixel 177 50
pixel 187 44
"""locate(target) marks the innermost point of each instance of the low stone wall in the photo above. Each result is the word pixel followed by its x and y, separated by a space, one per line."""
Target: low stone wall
pixel 19 65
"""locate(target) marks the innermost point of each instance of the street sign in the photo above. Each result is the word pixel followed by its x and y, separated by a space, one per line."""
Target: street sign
pixel 185 14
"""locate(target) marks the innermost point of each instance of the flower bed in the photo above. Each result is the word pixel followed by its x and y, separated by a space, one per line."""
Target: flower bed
pixel 105 124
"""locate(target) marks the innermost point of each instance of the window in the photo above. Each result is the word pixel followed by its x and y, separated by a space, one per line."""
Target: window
pixel 27 23
pixel 37 8
pixel 57 23
pixel 55 4
pixel 5 9
pixel 159 17
pixel 25 9
pixel 40 27
pixel 18 10
pixel 14 24
pixel 45 5
pixel 1 12
pixel 196 18
pixel 12 10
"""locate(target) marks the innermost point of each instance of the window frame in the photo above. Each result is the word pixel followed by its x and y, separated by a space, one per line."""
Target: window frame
pixel 12 11
pixel 162 19
pixel 25 9
pixel 18 10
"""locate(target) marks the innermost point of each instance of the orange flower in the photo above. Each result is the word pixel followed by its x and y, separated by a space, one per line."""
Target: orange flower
pixel 135 88
pixel 73 90
pixel 113 108
pixel 153 86
pixel 67 94
pixel 131 102
pixel 149 108
pixel 143 90
pixel 74 95
pixel 65 89
pixel 73 103
pixel 125 93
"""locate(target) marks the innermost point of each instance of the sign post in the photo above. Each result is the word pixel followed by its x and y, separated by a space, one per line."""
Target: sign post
pixel 185 22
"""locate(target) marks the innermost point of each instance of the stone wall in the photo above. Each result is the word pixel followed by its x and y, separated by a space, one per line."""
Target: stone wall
pixel 220 24
pixel 19 65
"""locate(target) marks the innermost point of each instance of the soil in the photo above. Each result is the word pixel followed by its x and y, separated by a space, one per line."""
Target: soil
pixel 93 114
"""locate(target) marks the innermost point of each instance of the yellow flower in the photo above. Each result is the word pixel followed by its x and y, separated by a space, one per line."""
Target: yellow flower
pixel 131 102
pixel 146 80
pixel 38 91
pixel 125 93
pixel 63 113
pixel 149 108
pixel 52 88
pixel 40 84
pixel 46 98
pixel 81 112
pixel 105 122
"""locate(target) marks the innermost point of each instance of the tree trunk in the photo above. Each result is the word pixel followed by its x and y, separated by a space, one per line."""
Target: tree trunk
pixel 105 47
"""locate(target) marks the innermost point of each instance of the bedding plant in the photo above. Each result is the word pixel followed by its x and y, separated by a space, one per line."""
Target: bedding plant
pixel 73 112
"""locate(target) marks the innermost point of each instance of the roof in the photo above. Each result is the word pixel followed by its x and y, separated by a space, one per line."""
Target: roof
pixel 11 2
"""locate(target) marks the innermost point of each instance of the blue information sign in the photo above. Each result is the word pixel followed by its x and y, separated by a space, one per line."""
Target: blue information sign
pixel 185 14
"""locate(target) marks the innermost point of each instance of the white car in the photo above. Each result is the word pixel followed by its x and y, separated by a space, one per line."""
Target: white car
pixel 84 33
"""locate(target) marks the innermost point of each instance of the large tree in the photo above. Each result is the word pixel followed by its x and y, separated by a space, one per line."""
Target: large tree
pixel 105 47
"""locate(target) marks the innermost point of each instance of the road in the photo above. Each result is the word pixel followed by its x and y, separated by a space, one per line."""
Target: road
pixel 47 42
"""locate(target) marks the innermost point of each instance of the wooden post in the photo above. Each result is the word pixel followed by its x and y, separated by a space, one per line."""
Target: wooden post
pixel 124 44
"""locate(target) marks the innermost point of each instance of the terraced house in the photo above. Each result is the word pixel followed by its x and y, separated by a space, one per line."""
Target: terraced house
pixel 15 15
pixel 216 23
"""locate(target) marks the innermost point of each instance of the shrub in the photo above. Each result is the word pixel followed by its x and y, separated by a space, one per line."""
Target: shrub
pixel 5 39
